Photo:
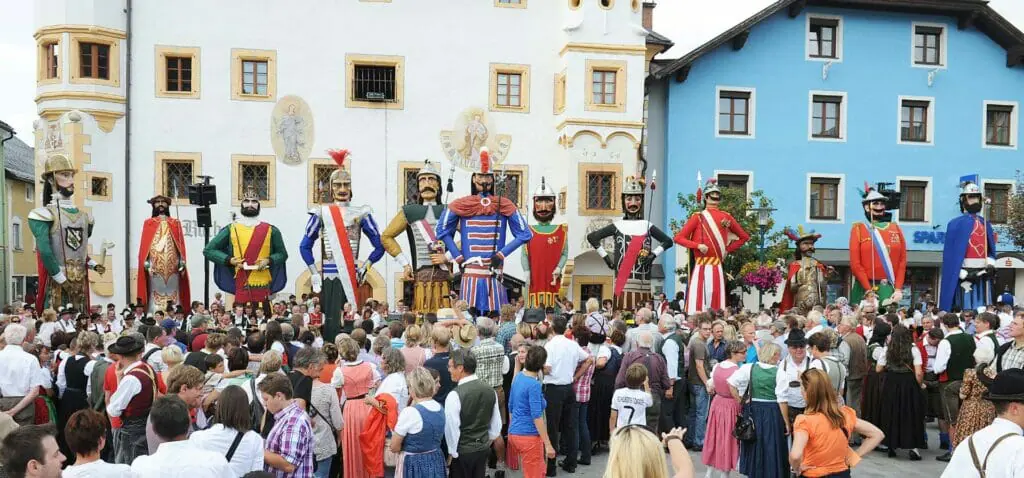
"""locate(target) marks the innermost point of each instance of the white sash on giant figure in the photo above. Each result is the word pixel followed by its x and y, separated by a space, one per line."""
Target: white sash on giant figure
pixel 716 234
pixel 334 227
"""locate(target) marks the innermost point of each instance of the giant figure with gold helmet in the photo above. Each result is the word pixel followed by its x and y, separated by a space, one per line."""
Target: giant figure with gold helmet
pixel 485 221
pixel 249 256
pixel 969 254
pixel 806 277
pixel 162 274
pixel 545 255
pixel 637 243
pixel 426 269
pixel 62 233
pixel 339 227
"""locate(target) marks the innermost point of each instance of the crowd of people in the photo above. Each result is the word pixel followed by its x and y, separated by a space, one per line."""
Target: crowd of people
pixel 243 391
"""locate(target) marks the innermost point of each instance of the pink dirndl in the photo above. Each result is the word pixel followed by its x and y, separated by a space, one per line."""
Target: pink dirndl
pixel 721 450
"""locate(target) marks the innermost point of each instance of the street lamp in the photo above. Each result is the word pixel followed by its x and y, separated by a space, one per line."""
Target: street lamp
pixel 764 215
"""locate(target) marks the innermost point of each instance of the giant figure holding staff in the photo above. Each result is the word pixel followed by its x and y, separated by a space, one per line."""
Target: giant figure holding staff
pixel 969 255
pixel 878 251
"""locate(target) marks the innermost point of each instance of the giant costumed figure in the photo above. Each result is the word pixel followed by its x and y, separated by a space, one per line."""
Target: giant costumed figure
pixel 969 255
pixel 481 219
pixel 710 235
pixel 340 228
pixel 878 252
pixel 249 256
pixel 638 243
pixel 428 269
pixel 807 277
pixel 62 233
pixel 162 274
pixel 545 254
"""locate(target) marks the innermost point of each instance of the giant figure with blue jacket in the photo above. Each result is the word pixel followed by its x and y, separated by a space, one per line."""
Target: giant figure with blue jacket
pixel 482 219
pixel 969 256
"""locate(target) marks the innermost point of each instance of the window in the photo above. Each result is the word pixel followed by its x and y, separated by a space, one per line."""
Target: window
pixel 48 58
pixel 999 206
pixel 52 60
pixel 1000 124
pixel 824 198
pixel 177 178
pixel 510 3
pixel 915 116
pixel 913 201
pixel 16 233
pixel 559 93
pixel 94 57
pixel 374 81
pixel 928 45
pixel 98 186
pixel 733 113
pixel 825 116
pixel 607 4
pixel 588 291
pixel 258 172
pixel 254 176
pixel 94 60
pixel 510 88
pixel 177 72
pixel 734 181
pixel 823 38
pixel 600 189
pixel 511 188
pixel 412 186
pixel 175 171
pixel 253 75
pixel 605 85
pixel 322 183
pixel 30 193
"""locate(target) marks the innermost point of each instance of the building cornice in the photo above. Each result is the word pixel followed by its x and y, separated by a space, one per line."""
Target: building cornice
pixel 599 123
pixel 606 48
pixel 91 29
pixel 104 118
pixel 79 95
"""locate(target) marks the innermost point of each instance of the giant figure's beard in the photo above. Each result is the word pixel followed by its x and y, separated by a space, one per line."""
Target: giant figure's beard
pixel 545 215
pixel 973 208
pixel 251 211
pixel 66 192
pixel 159 211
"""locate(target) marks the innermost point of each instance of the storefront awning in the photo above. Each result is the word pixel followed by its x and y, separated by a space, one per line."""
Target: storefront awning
pixel 841 257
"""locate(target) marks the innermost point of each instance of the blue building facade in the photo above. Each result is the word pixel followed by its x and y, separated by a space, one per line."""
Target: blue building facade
pixel 807 102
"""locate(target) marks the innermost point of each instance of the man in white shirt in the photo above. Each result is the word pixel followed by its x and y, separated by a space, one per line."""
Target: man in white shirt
pixel 66 323
pixel 787 380
pixel 999 447
pixel 19 377
pixel 469 433
pixel 673 350
pixel 985 332
pixel 559 372
pixel 31 452
pixel 176 456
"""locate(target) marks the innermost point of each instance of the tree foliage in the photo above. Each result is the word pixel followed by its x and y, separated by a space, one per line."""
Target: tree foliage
pixel 1014 228
pixel 735 202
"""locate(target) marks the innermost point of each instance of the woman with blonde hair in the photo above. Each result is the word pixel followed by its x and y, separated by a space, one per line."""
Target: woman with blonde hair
pixel 414 353
pixel 419 430
pixel 721 449
pixel 48 327
pixel 821 434
pixel 172 357
pixel 765 456
pixel 637 453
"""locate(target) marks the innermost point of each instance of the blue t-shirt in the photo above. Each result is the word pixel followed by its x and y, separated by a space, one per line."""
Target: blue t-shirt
pixel 751 355
pixel 525 403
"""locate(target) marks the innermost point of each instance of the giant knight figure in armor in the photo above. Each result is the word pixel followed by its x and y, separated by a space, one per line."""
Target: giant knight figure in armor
pixel 545 254
pixel 162 274
pixel 710 235
pixel 428 270
pixel 969 255
pixel 481 220
pixel 249 256
pixel 878 252
pixel 340 227
pixel 638 243
pixel 62 233
pixel 807 277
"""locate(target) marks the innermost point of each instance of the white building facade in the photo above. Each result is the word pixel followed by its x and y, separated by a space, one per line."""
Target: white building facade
pixel 147 97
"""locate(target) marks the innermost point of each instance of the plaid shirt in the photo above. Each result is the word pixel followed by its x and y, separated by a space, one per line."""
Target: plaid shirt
pixel 582 385
pixel 504 335
pixel 1012 358
pixel 292 438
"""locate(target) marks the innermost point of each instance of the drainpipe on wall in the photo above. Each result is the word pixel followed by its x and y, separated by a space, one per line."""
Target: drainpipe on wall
pixel 127 155
pixel 5 274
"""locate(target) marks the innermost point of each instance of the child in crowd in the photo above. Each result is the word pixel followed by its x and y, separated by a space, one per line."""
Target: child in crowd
pixel 214 373
pixel 629 405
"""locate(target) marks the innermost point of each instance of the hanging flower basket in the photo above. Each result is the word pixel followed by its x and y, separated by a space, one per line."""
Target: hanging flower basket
pixel 765 278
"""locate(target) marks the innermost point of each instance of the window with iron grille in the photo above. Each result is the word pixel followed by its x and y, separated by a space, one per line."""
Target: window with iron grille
pixel 179 73
pixel 511 187
pixel 52 59
pixel 824 198
pixel 999 207
pixel 733 112
pixel 254 77
pixel 912 200
pixel 825 116
pixel 998 120
pixel 599 190
pixel 511 2
pixel 98 186
pixel 177 178
pixel 322 183
pixel 373 83
pixel 412 186
pixel 255 176
pixel 914 121
pixel 927 45
pixel 822 37
pixel 509 89
pixel 94 60
pixel 604 87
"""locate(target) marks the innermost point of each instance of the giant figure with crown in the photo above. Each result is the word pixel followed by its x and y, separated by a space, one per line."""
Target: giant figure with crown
pixel 710 235
pixel 545 255
pixel 485 221
pixel 806 277
pixel 969 255
pixel 426 266
pixel 339 226
pixel 163 277
pixel 878 251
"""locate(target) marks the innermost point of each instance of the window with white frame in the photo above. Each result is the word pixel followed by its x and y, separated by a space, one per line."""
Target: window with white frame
pixel 917 120
pixel 824 37
pixel 913 201
pixel 827 120
pixel 928 49
pixel 824 198
pixel 737 181
pixel 16 233
pixel 998 199
pixel 1000 124
pixel 735 112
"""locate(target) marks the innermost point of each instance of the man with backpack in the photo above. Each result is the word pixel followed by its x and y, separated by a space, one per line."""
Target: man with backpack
pixel 820 345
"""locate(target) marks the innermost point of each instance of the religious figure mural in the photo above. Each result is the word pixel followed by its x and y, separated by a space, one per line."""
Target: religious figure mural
pixel 473 132
pixel 291 130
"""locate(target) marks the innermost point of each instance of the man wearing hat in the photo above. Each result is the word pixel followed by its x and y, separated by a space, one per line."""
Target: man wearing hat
pixel 807 277
pixel 791 400
pixel 968 256
pixel 998 449
pixel 66 323
pixel 427 274
pixel 878 251
pixel 545 255
pixel 62 233
pixel 133 398
pixel 163 277
pixel 340 227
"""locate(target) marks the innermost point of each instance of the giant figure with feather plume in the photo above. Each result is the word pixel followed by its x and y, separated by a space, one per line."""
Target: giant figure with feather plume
pixel 969 255
pixel 878 251
pixel 339 226
pixel 162 274
pixel 710 235
pixel 545 255
pixel 807 277
pixel 482 219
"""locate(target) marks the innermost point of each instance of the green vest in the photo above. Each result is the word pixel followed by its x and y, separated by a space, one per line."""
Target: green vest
pixel 961 356
pixel 763 381
pixel 477 404
pixel 681 342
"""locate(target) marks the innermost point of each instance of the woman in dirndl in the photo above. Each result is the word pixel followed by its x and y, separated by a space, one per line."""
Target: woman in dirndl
pixel 418 432
pixel 359 378
pixel 975 412
pixel 721 449
pixel 901 415
pixel 767 455
pixel 871 401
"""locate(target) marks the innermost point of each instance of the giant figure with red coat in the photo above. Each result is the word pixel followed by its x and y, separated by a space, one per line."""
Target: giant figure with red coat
pixel 878 251
pixel 806 277
pixel 710 235
pixel 162 274
pixel 545 255
pixel 969 255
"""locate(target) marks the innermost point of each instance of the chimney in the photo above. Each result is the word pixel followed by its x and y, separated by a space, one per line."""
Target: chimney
pixel 648 18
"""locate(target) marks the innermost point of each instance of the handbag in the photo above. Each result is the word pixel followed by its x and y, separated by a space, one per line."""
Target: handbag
pixel 743 430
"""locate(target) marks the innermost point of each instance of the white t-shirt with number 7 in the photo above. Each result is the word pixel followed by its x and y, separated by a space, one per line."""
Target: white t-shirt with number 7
pixel 631 405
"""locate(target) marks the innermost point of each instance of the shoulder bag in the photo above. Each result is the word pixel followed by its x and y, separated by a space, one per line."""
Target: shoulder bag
pixel 743 430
